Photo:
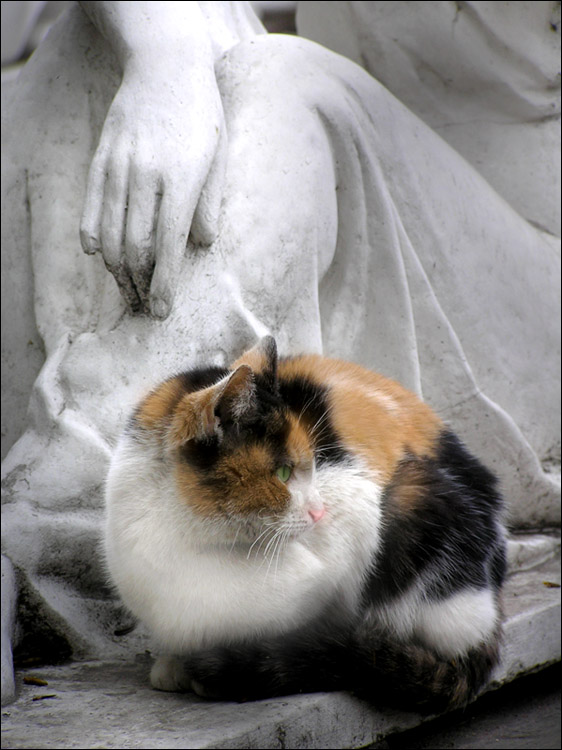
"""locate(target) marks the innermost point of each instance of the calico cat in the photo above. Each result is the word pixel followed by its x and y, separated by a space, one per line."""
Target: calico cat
pixel 303 524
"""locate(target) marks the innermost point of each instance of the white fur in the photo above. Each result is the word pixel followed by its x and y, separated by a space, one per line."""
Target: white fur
pixel 451 626
pixel 455 624
pixel 168 673
pixel 192 589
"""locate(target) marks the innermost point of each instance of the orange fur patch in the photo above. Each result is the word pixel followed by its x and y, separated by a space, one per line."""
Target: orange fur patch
pixel 158 406
pixel 409 486
pixel 298 444
pixel 252 485
pixel 256 358
pixel 200 498
pixel 247 485
pixel 194 416
pixel 374 416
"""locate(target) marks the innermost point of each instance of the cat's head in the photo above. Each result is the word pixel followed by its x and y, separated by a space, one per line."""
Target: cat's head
pixel 242 458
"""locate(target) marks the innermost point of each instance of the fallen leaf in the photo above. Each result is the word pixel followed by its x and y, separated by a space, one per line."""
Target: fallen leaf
pixel 31 680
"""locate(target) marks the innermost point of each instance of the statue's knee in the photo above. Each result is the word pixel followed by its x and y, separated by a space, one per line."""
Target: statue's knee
pixel 267 64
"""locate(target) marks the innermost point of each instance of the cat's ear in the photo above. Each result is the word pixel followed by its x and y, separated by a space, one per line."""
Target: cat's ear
pixel 262 358
pixel 237 400
pixel 202 414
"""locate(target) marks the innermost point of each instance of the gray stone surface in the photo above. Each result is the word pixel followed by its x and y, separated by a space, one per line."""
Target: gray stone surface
pixel 521 716
pixel 110 704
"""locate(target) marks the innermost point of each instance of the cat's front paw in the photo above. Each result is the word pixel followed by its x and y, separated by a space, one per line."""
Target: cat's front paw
pixel 174 674
pixel 208 691
pixel 225 674
pixel 169 673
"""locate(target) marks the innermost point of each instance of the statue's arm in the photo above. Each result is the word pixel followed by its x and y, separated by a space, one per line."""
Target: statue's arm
pixel 157 170
pixel 139 32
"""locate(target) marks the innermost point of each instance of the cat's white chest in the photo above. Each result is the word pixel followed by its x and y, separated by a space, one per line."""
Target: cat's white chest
pixel 191 594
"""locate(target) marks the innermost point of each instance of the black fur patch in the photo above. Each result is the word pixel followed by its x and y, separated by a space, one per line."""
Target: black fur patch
pixel 202 377
pixel 202 455
pixel 327 656
pixel 309 402
pixel 450 535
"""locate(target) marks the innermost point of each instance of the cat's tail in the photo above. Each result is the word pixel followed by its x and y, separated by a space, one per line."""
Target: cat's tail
pixel 414 677
pixel 383 671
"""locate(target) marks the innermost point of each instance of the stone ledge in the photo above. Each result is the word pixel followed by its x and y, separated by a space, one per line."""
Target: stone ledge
pixel 110 704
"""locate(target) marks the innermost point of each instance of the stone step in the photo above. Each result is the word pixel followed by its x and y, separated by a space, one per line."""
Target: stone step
pixel 111 705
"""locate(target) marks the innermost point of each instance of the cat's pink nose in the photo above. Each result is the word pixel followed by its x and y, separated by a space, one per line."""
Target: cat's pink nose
pixel 316 513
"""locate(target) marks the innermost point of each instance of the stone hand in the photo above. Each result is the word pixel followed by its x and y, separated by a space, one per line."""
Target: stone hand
pixel 155 177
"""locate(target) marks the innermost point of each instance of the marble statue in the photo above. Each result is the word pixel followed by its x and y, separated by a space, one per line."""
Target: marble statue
pixel 176 183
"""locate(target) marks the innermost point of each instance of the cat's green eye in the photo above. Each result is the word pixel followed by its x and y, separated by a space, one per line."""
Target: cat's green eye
pixel 284 473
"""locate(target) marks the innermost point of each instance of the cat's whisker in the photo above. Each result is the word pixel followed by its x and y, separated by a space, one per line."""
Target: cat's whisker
pixel 264 554
pixel 235 539
pixel 271 527
pixel 307 403
pixel 328 446
pixel 263 534
pixel 271 541
pixel 275 556
pixel 276 540
pixel 282 544
pixel 278 544
pixel 319 421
